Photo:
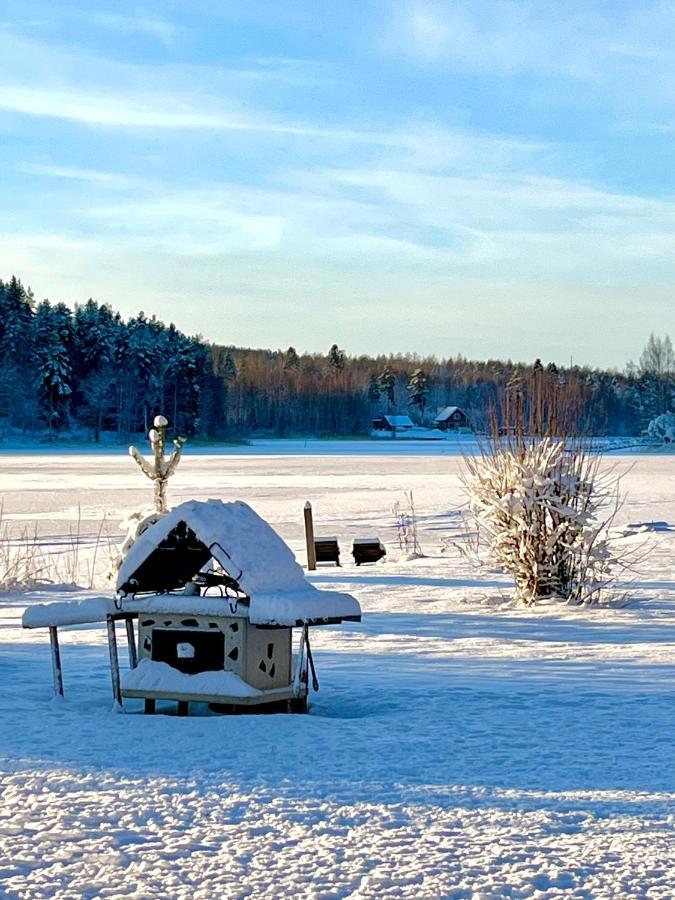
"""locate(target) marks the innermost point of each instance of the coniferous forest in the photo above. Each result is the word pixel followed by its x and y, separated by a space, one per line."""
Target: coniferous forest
pixel 88 370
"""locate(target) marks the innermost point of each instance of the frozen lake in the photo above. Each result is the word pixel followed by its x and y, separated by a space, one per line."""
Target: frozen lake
pixel 458 747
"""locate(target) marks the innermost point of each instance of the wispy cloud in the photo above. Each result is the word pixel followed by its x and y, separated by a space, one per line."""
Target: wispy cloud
pixel 163 31
pixel 70 173
pixel 585 41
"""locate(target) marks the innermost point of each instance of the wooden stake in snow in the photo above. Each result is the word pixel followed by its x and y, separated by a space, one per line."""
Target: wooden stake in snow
pixel 161 469
pixel 309 537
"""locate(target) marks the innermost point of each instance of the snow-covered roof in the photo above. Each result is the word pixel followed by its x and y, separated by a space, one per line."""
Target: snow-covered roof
pixel 249 550
pixel 399 421
pixel 447 413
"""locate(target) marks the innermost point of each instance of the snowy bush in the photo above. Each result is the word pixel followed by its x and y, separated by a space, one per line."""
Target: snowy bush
pixel 543 511
pixel 159 471
pixel 662 428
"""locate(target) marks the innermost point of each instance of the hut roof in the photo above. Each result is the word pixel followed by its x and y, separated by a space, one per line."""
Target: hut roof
pixel 399 421
pixel 250 551
pixel 446 413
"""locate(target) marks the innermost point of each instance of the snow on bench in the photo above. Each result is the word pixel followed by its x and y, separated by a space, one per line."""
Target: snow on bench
pixel 68 612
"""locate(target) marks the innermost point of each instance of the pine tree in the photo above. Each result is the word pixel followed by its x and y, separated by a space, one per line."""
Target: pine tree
pixel 53 337
pixel 336 359
pixel 96 330
pixel 388 384
pixel 17 363
pixel 374 392
pixel 192 364
pixel 229 367
pixel 418 390
pixel 292 360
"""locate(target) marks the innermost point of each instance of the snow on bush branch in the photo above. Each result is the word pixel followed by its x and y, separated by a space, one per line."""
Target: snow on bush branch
pixel 543 510
pixel 662 428
pixel 159 471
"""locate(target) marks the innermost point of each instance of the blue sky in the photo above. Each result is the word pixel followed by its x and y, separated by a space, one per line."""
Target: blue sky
pixel 494 179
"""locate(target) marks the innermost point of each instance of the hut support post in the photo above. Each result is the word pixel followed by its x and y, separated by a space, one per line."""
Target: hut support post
pixel 131 642
pixel 299 666
pixel 56 660
pixel 309 537
pixel 114 661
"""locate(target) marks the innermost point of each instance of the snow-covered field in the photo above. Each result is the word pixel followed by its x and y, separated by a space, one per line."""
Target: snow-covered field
pixel 458 747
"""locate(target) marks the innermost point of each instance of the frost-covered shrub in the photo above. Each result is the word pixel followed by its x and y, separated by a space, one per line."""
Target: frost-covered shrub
pixel 662 428
pixel 405 519
pixel 159 471
pixel 542 511
pixel 161 468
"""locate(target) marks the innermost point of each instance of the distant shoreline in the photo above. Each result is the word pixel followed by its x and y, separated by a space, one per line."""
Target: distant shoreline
pixel 310 446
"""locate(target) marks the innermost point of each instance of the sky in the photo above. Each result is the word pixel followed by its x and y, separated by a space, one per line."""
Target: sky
pixel 479 177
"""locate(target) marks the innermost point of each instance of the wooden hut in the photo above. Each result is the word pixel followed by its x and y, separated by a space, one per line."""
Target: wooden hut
pixel 217 594
pixel 451 418
pixel 394 424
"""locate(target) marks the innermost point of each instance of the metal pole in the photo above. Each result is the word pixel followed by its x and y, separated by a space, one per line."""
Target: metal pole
pixel 131 642
pixel 299 666
pixel 114 661
pixel 56 660
pixel 309 537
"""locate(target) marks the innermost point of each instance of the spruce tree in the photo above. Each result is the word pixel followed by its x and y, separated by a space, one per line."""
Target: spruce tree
pixel 17 359
pixel 53 337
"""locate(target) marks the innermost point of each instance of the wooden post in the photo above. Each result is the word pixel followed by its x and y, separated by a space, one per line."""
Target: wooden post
pixel 56 660
pixel 131 642
pixel 149 706
pixel 309 537
pixel 183 707
pixel 114 661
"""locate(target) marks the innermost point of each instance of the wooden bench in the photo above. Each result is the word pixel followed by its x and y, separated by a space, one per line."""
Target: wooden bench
pixel 368 550
pixel 327 550
pixel 91 611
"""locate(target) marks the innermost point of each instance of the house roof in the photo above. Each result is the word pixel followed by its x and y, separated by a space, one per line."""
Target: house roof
pixel 399 421
pixel 446 413
pixel 250 551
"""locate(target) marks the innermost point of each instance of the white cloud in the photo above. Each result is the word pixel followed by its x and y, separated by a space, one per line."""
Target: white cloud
pixel 592 41
pixel 163 31
pixel 71 173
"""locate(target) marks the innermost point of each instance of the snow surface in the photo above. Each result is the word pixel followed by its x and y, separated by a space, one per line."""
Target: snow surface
pixel 458 748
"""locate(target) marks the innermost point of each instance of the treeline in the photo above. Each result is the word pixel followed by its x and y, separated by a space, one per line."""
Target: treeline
pixel 89 369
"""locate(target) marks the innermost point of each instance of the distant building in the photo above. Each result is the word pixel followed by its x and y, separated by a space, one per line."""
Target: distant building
pixel 393 423
pixel 451 418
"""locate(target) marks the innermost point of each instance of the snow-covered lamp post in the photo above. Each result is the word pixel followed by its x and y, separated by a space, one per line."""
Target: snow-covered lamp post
pixel 161 469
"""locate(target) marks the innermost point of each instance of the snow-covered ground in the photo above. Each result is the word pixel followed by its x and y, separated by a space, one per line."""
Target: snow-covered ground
pixel 458 747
